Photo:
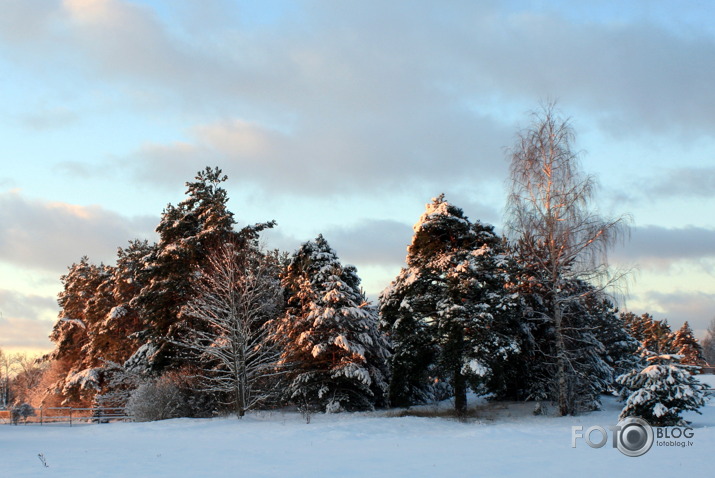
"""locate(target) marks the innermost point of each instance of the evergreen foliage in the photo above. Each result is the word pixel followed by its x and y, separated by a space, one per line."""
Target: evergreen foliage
pixel 128 316
pixel 448 314
pixel 686 345
pixel 661 392
pixel 337 358
pixel 187 232
pixel 595 343
pixel 655 336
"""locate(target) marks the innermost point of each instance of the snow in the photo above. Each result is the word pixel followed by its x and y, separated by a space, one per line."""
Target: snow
pixel 85 379
pixel 117 313
pixel 505 440
pixel 477 368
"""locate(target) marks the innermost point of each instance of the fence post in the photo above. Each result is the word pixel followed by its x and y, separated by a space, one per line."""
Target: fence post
pixel 42 411
pixel 70 417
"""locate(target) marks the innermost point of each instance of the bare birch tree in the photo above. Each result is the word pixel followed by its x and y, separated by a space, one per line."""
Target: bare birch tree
pixel 549 214
pixel 237 295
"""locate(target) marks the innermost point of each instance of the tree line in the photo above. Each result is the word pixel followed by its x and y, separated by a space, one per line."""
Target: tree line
pixel 205 320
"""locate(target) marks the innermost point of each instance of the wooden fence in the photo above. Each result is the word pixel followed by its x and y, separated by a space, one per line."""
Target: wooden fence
pixel 70 415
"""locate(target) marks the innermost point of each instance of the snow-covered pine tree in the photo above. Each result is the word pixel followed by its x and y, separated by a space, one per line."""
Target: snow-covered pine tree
pixel 78 355
pixel 661 392
pixel 620 348
pixel 186 234
pixel 592 340
pixel 658 338
pixel 655 336
pixel 447 313
pixel 336 357
pixel 118 332
pixel 686 345
pixel 97 324
pixel 587 321
pixel 636 324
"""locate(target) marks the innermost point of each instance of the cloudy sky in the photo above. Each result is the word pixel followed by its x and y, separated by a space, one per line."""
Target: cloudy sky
pixel 345 118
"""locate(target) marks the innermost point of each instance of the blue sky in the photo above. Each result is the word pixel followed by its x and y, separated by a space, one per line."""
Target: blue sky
pixel 345 118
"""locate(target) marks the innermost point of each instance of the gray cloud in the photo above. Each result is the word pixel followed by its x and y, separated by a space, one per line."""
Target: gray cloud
pixel 15 304
pixel 373 242
pixel 346 157
pixel 51 236
pixel 341 97
pixel 698 308
pixel 21 323
pixel 660 246
pixel 21 334
pixel 344 59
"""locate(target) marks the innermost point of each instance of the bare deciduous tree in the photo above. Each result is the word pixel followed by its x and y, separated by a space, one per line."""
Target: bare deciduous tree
pixel 709 344
pixel 5 363
pixel 549 214
pixel 237 295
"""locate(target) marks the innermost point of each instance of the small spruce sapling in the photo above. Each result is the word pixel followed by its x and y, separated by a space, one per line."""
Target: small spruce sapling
pixel 661 392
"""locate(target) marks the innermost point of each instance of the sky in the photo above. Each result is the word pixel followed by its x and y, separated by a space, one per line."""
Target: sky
pixel 345 118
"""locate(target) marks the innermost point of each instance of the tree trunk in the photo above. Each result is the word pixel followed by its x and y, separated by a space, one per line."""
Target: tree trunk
pixel 564 398
pixel 458 381
pixel 460 393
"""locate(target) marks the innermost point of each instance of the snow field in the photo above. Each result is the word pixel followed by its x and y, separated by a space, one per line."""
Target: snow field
pixel 509 441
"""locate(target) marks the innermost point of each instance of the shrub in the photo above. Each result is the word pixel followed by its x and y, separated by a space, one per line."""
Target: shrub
pixel 23 411
pixel 158 399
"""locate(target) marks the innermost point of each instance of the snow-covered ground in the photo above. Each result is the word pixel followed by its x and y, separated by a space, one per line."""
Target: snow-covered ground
pixel 507 440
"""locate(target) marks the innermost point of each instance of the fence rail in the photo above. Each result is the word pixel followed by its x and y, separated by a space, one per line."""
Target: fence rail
pixel 71 415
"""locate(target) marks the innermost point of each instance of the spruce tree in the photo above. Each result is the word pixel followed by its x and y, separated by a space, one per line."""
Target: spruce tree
pixel 594 342
pixel 661 392
pixel 636 324
pixel 447 313
pixel 686 345
pixel 336 356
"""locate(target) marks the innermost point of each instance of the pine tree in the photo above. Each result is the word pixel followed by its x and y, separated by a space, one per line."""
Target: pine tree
pixel 658 338
pixel 336 356
pixel 448 313
pixel 186 234
pixel 637 325
pixel 596 343
pixel 78 342
pixel 686 345
pixel 661 392
pixel 621 349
